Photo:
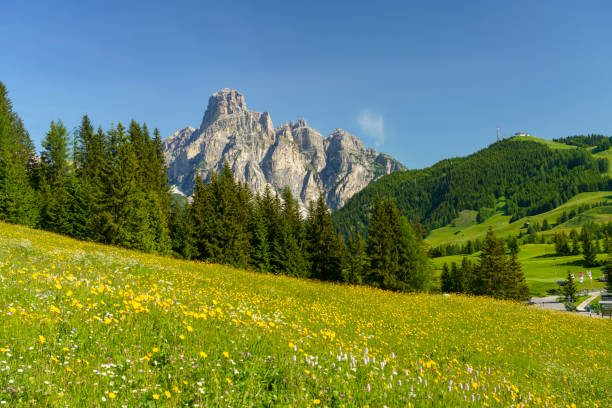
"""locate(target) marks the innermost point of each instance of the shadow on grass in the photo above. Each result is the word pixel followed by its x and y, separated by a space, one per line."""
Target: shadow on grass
pixel 547 256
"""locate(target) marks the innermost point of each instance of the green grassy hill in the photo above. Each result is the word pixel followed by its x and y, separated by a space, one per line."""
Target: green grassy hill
pixel 91 325
pixel 541 266
pixel 460 231
pixel 549 143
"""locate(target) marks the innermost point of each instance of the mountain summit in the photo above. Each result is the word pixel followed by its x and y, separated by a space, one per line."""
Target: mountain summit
pixel 292 155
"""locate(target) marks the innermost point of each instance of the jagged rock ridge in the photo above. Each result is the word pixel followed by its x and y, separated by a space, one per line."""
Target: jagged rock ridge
pixel 292 155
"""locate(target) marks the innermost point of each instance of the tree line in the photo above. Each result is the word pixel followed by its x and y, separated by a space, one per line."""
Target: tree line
pixel 226 223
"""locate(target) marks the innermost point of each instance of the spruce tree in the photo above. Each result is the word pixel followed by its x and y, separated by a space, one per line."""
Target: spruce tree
pixel 55 181
pixel 293 236
pixel 570 289
pixel 270 207
pixel 17 197
pixel 260 247
pixel 397 258
pixel 118 201
pixel 607 270
pixel 323 245
pixel 355 263
pixel 221 216
pixel 457 278
pixel 445 280
pixel 467 271
pixel 518 289
pixel 589 250
pixel 491 269
pixel 97 172
pixel 181 236
pixel 561 244
pixel 575 238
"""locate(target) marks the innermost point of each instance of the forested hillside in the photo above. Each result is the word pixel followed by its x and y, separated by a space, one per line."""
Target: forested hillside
pixel 532 177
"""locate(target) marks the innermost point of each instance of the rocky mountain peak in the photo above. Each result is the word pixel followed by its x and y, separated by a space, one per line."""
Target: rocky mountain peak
pixel 292 155
pixel 224 102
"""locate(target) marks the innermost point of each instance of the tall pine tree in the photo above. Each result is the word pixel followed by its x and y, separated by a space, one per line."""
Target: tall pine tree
pixel 397 258
pixel 324 246
pixel 55 181
pixel 17 196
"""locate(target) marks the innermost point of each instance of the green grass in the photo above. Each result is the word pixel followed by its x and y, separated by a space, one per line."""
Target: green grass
pixel 549 143
pixel 502 226
pixel 91 325
pixel 542 268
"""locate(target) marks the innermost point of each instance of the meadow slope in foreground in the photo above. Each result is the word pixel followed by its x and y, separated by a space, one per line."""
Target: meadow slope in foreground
pixel 85 324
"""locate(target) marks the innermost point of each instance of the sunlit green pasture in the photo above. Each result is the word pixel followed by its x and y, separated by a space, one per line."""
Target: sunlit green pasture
pixel 542 268
pixel 500 223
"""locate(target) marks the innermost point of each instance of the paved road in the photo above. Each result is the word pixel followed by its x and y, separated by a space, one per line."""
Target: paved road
pixel 548 302
pixel 592 296
pixel 551 303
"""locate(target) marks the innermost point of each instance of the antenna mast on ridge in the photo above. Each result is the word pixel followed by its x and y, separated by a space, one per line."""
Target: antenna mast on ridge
pixel 498 134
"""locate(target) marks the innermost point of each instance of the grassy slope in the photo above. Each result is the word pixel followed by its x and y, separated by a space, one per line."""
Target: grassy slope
pixel 502 226
pixel 549 143
pixel 105 326
pixel 542 269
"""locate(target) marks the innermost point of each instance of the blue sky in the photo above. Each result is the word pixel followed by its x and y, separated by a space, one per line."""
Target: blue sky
pixel 420 81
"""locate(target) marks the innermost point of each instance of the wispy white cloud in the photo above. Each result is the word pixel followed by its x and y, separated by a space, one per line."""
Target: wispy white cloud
pixel 372 125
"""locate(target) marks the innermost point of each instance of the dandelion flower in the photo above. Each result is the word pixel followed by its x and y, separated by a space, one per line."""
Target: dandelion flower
pixel 316 401
pixel 203 354
pixel 167 394
pixel 112 395
pixel 41 339
pixel 155 396
pixel 225 354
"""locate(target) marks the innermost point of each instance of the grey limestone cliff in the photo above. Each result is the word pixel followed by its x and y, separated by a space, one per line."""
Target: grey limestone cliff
pixel 292 155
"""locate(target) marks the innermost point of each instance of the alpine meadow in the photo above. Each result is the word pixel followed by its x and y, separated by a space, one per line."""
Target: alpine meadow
pixel 164 244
